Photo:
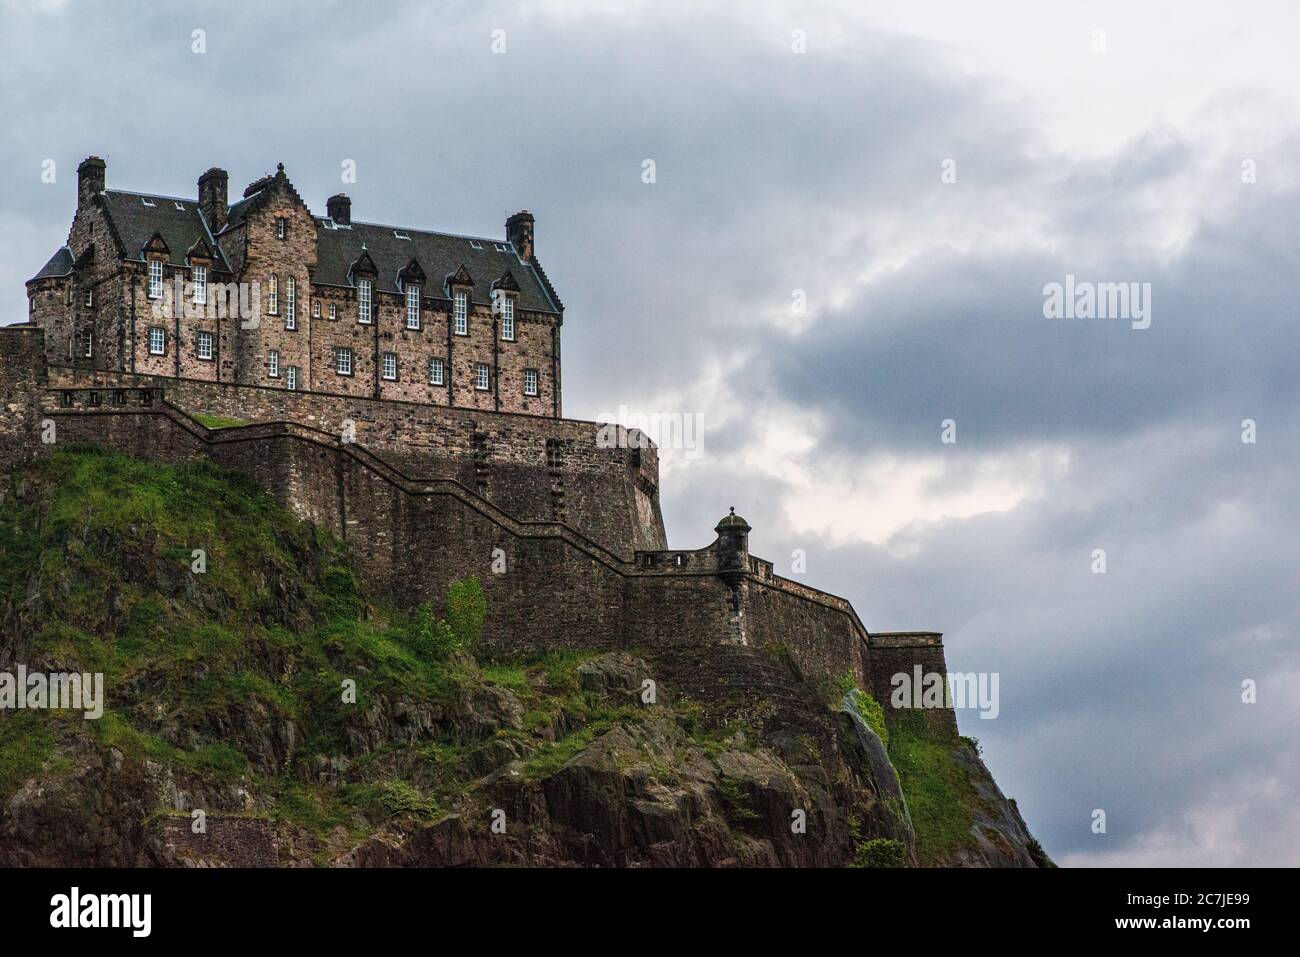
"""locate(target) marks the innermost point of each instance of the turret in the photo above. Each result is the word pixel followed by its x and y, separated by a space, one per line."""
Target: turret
pixel 733 547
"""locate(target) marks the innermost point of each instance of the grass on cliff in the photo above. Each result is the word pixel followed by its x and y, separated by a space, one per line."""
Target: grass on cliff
pixel 217 618
pixel 940 795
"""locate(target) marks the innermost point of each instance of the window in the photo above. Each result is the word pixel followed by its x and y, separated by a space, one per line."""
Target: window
pixel 273 301
pixel 390 365
pixel 273 364
pixel 343 361
pixel 201 285
pixel 155 279
pixel 462 314
pixel 436 372
pixel 507 317
pixel 363 301
pixel 482 381
pixel 281 227
pixel 315 309
pixel 157 341
pixel 530 382
pixel 290 304
pixel 88 344
pixel 90 298
pixel 413 307
pixel 333 311
pixel 204 345
pixel 291 378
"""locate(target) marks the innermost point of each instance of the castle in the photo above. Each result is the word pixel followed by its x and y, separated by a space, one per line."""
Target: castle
pixel 402 388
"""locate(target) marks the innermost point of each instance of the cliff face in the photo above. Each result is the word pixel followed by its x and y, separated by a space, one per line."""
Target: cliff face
pixel 262 710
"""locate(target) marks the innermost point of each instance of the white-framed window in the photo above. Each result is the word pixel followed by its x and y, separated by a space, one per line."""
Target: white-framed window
pixel 155 279
pixel 291 378
pixel 462 313
pixel 201 285
pixel 530 382
pixel 291 303
pixel 363 302
pixel 482 376
pixel 413 307
pixel 273 299
pixel 90 298
pixel 343 360
pixel 88 338
pixel 315 309
pixel 333 311
pixel 273 364
pixel 157 341
pixel 281 228
pixel 390 366
pixel 203 344
pixel 437 372
pixel 507 317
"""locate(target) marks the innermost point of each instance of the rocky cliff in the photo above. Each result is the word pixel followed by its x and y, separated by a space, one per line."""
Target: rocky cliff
pixel 262 710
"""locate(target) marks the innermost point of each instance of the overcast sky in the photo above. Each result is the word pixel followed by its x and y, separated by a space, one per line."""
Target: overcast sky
pixel 783 177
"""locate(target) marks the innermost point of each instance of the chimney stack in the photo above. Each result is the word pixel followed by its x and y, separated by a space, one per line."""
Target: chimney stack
pixel 90 179
pixel 339 208
pixel 213 186
pixel 519 231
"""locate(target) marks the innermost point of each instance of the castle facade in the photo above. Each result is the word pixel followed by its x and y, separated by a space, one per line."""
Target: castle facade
pixel 263 292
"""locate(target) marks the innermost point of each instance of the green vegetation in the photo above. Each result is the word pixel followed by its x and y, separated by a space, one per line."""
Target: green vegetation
pixel 940 795
pixel 99 565
pixel 216 421
pixel 873 714
pixel 880 852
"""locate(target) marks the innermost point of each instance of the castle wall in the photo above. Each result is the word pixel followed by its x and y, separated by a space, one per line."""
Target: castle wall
pixel 535 467
pixel 890 654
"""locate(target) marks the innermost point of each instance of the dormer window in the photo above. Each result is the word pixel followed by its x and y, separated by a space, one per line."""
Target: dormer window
pixel 281 227
pixel 507 317
pixel 413 307
pixel 201 285
pixel 363 302
pixel 291 304
pixel 462 313
pixel 155 279
pixel 273 300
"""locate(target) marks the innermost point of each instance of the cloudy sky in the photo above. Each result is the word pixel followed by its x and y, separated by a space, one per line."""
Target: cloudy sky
pixel 854 211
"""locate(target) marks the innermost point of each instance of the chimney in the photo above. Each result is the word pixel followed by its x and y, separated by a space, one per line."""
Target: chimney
pixel 90 179
pixel 519 231
pixel 339 208
pixel 213 203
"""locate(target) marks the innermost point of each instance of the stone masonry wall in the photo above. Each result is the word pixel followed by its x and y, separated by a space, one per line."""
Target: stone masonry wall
pixel 537 468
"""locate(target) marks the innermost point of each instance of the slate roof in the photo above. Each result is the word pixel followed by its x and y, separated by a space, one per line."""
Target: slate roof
pixel 178 221
pixel 60 264
pixel 439 255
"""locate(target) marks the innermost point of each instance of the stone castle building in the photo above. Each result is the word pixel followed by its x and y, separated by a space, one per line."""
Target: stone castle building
pixel 263 292
pixel 401 388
